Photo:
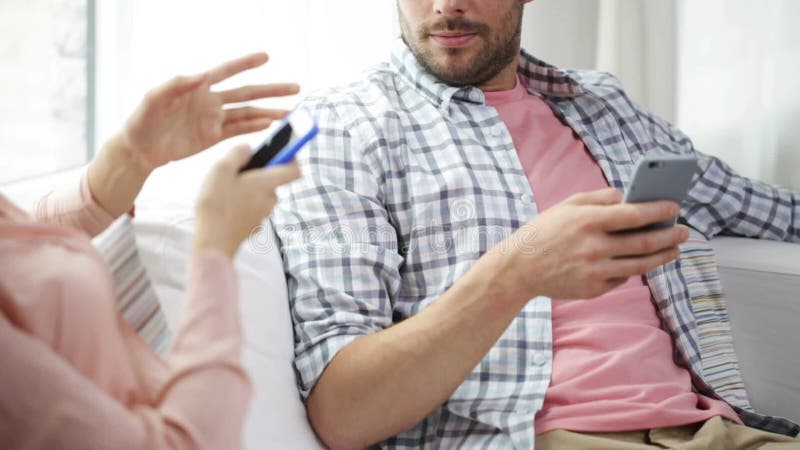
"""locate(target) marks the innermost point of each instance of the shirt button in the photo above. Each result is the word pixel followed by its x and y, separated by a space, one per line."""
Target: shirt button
pixel 496 132
pixel 526 198
pixel 539 359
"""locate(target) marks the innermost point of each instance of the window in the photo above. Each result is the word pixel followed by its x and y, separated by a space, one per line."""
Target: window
pixel 45 118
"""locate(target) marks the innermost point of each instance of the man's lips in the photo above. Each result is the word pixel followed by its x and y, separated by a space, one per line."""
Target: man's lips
pixel 454 39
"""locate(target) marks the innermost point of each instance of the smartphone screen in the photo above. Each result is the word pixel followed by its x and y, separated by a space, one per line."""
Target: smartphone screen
pixel 284 141
pixel 270 148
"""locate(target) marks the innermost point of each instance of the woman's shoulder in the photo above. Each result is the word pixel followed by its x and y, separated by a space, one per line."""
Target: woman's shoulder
pixel 51 277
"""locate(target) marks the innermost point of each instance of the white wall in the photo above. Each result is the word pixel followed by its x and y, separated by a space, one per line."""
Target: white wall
pixel 562 32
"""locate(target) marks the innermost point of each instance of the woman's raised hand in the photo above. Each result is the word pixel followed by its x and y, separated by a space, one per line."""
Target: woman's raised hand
pixel 184 116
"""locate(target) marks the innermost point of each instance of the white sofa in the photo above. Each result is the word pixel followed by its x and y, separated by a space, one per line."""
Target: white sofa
pixel 761 279
pixel 277 417
pixel 762 285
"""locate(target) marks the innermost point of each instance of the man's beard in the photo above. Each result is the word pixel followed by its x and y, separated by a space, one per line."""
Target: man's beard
pixel 498 52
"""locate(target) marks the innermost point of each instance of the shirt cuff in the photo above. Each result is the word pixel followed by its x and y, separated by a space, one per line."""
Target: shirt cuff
pixel 74 206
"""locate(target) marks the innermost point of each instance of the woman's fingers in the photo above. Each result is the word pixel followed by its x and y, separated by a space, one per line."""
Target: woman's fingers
pixel 244 126
pixel 248 119
pixel 177 86
pixel 256 92
pixel 250 113
pixel 235 159
pixel 284 173
pixel 231 68
pixel 272 177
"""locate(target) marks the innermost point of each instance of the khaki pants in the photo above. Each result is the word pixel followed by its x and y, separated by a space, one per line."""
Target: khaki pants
pixel 714 434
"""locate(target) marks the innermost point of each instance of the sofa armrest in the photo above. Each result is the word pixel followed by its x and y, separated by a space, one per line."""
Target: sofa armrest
pixel 761 280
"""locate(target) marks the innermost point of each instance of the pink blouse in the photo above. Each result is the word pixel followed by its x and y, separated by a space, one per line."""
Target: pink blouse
pixel 75 375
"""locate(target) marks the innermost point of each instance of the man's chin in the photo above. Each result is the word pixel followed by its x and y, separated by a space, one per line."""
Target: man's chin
pixel 452 65
pixel 455 73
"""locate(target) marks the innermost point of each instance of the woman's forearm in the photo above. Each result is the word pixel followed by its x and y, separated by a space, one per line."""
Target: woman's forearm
pixel 116 176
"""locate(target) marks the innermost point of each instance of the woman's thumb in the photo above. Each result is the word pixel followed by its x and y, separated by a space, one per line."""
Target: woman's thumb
pixel 237 157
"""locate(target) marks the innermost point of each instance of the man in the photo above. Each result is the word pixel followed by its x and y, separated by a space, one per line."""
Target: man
pixel 454 203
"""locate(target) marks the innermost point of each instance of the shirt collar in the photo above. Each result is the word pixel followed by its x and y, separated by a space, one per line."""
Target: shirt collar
pixel 545 79
pixel 538 77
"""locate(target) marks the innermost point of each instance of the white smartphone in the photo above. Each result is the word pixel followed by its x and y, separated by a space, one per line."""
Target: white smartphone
pixel 283 141
pixel 661 177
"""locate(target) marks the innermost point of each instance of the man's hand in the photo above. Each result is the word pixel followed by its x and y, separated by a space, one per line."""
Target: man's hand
pixel 578 248
pixel 573 250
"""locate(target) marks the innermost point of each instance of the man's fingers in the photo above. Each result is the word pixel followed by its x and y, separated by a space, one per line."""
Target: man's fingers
pixel 608 196
pixel 640 265
pixel 231 68
pixel 255 92
pixel 634 215
pixel 613 283
pixel 647 242
pixel 244 126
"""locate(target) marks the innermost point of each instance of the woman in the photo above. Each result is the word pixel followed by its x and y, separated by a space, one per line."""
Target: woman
pixel 74 374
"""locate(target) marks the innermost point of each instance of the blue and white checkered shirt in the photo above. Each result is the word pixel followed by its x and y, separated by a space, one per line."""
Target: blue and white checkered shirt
pixel 410 181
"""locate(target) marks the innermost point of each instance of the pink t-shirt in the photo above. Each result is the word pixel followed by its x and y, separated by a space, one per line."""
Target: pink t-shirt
pixel 612 363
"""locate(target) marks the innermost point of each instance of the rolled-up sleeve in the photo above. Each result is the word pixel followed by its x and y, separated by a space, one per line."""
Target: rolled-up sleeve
pixel 721 201
pixel 340 250
pixel 74 206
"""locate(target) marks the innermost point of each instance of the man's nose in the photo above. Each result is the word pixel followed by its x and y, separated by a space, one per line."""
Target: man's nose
pixel 450 7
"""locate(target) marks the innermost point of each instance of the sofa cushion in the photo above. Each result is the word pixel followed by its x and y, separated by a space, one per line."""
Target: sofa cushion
pixel 761 280
pixel 277 417
pixel 136 299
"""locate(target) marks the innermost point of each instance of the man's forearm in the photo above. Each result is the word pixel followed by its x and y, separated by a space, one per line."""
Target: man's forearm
pixel 385 383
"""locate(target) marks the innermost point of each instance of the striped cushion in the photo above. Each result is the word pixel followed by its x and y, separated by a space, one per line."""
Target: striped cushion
pixel 720 365
pixel 136 298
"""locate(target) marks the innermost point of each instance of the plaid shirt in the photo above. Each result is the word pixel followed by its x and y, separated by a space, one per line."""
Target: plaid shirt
pixel 410 181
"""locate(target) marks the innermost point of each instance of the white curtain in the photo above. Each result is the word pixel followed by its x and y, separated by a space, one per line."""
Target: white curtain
pixel 724 71
pixel 633 39
pixel 738 94
pixel 636 40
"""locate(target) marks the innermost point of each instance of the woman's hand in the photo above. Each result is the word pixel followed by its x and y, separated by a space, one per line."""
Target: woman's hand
pixel 232 205
pixel 177 120
pixel 183 116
